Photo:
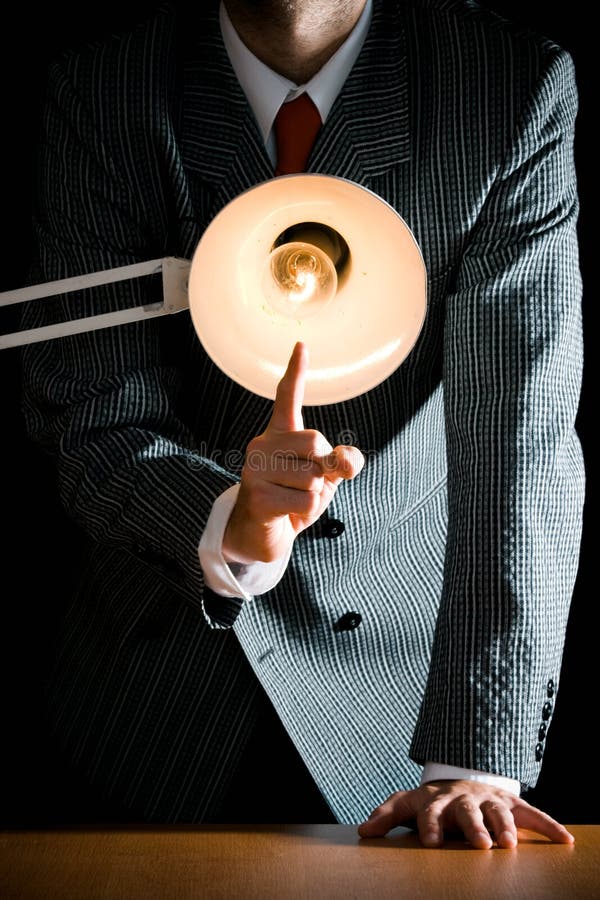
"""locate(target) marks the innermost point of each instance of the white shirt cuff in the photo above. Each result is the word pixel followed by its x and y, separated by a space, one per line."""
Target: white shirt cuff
pixel 438 771
pixel 233 579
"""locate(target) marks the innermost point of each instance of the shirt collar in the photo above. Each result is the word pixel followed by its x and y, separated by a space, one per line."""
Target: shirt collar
pixel 266 90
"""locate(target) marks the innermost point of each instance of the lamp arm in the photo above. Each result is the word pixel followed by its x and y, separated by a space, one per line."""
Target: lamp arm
pixel 175 273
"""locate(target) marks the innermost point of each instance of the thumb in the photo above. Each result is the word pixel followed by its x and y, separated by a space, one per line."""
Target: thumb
pixel 377 825
pixel 342 464
pixel 399 808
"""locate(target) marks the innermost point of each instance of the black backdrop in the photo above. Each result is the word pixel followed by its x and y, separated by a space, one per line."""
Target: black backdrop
pixel 39 546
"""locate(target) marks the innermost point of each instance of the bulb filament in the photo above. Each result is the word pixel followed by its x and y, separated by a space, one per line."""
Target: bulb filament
pixel 301 279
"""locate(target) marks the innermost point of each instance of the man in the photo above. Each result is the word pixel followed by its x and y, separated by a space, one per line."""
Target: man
pixel 405 619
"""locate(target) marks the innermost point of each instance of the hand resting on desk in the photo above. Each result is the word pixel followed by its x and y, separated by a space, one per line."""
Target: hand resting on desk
pixel 476 810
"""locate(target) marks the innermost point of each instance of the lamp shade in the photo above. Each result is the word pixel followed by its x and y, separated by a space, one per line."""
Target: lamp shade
pixel 357 333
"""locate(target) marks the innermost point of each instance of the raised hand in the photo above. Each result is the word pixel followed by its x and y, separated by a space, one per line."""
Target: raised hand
pixel 289 477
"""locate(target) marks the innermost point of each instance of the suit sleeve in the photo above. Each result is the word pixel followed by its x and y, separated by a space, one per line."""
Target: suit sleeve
pixel 512 376
pixel 103 404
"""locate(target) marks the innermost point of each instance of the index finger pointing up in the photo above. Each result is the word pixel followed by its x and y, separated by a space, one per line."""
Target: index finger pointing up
pixel 287 409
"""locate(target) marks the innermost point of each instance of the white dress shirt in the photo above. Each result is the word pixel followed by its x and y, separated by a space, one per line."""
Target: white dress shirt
pixel 266 91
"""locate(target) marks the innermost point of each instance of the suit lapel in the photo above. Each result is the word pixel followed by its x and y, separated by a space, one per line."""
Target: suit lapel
pixel 221 143
pixel 366 133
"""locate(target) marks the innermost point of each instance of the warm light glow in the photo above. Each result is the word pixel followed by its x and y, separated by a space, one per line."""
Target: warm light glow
pixel 299 279
pixel 359 322
pixel 329 373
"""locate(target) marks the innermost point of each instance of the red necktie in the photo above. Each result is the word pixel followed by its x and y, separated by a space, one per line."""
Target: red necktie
pixel 296 126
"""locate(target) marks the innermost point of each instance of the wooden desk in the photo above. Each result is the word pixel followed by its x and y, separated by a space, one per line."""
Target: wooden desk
pixel 300 862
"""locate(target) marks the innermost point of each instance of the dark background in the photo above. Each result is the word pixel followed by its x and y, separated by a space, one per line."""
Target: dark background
pixel 39 546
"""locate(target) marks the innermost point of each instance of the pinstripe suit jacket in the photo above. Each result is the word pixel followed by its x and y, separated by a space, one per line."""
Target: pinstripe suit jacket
pixel 462 532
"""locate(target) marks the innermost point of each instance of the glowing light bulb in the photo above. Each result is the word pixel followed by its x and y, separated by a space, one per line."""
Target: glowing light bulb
pixel 299 279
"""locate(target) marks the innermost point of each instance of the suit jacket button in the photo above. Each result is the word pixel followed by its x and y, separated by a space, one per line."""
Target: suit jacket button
pixel 542 732
pixel 550 688
pixel 546 711
pixel 539 752
pixel 332 528
pixel 348 621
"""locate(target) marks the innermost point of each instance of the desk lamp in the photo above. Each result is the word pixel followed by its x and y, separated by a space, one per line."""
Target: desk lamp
pixel 307 257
